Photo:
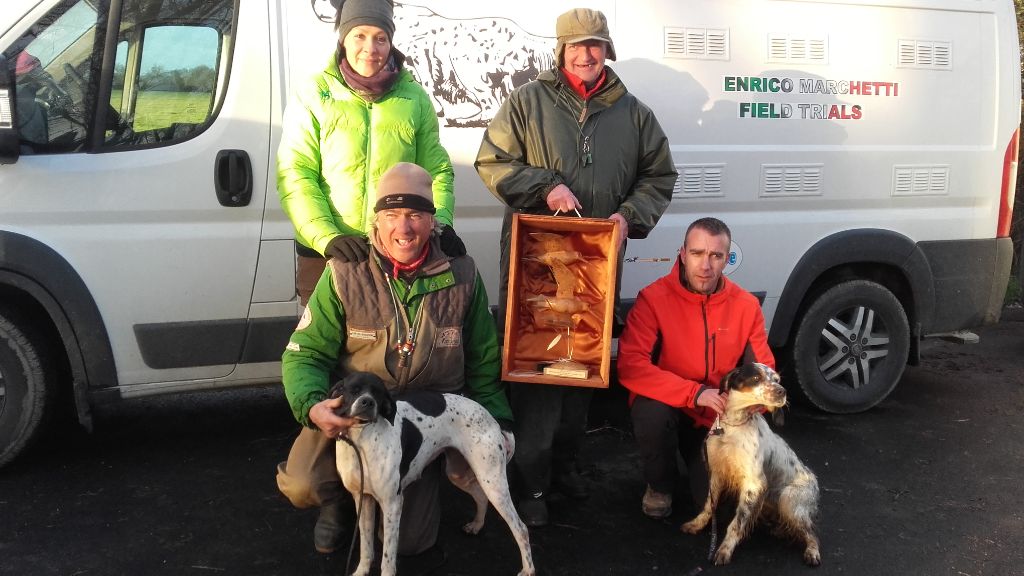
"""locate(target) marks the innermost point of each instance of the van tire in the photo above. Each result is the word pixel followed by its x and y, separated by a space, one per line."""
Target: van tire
pixel 842 378
pixel 26 392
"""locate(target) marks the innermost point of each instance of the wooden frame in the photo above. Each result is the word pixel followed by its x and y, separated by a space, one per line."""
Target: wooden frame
pixel 537 332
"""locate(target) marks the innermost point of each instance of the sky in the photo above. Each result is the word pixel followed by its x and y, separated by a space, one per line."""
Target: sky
pixel 180 47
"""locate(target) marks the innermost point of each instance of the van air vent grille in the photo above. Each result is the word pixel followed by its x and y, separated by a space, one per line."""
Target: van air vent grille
pixel 920 180
pixel 798 49
pixel 791 180
pixel 699 43
pixel 932 55
pixel 698 181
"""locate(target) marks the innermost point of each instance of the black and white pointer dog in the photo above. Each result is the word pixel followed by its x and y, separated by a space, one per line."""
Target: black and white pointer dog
pixel 749 461
pixel 396 440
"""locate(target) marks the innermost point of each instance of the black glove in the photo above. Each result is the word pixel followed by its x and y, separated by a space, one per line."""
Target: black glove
pixel 451 244
pixel 348 249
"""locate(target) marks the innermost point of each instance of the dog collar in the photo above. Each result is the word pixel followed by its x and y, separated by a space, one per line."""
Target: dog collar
pixel 723 420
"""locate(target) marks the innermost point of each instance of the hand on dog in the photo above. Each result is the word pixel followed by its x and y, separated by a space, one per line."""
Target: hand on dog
pixel 322 414
pixel 712 400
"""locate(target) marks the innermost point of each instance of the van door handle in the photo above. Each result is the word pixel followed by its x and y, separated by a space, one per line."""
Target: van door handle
pixel 232 178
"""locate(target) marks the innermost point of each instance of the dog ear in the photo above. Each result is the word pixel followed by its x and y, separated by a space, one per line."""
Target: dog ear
pixel 728 381
pixel 337 390
pixel 778 418
pixel 388 409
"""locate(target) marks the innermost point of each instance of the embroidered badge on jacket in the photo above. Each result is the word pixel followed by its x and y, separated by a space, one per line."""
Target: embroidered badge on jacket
pixel 306 320
pixel 449 338
pixel 361 334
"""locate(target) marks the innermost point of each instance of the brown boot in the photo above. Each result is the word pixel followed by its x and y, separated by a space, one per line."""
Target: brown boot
pixel 657 504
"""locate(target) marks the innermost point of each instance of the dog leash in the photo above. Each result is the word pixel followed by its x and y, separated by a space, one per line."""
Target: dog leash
pixel 359 505
pixel 716 430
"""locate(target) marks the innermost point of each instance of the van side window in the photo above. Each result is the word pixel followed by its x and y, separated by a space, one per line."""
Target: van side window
pixel 169 72
pixel 53 70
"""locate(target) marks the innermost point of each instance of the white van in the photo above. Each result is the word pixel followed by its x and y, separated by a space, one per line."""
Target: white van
pixel 862 152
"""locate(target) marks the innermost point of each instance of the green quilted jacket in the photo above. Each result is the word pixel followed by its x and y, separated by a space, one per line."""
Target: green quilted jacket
pixel 335 146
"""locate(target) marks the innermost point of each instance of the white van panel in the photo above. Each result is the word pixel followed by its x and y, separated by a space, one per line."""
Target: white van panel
pixel 919 160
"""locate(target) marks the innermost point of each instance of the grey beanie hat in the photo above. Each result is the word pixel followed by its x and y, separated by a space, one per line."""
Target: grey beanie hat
pixel 352 13
pixel 581 24
pixel 405 185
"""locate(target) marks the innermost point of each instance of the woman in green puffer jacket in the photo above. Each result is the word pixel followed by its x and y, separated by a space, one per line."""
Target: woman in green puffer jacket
pixel 344 128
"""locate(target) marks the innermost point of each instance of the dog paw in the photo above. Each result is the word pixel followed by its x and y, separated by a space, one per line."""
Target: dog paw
pixel 472 527
pixel 812 558
pixel 692 527
pixel 723 557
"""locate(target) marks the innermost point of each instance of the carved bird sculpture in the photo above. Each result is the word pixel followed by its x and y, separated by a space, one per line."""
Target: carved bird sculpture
pixel 554 251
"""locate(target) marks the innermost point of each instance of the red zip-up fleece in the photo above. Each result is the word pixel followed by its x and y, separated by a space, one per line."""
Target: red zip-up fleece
pixel 677 342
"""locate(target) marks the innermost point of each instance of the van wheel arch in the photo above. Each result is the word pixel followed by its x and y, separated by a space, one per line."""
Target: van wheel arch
pixel 54 301
pixel 862 259
pixel 884 256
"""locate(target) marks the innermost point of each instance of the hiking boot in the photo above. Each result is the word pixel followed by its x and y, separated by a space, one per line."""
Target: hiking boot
pixel 424 563
pixel 657 504
pixel 534 511
pixel 328 529
pixel 571 484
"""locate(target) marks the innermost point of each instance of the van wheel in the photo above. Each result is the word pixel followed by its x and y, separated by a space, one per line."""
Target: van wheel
pixel 851 347
pixel 25 395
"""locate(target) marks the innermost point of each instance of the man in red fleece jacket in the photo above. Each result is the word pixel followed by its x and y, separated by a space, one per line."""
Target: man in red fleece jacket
pixel 686 331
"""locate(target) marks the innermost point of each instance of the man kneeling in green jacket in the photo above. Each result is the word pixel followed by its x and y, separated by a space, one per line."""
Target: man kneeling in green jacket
pixel 413 316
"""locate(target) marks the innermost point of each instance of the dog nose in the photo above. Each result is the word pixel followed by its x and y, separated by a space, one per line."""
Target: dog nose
pixel 777 393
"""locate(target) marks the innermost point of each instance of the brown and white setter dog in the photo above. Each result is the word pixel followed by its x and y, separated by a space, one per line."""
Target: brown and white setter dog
pixel 747 460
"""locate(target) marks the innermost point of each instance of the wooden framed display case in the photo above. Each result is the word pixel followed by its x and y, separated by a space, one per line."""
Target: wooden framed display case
pixel 561 301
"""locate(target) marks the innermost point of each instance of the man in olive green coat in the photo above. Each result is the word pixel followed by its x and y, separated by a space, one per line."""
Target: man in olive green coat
pixel 574 140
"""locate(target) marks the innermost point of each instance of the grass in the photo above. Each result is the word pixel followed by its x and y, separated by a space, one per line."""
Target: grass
pixel 156 109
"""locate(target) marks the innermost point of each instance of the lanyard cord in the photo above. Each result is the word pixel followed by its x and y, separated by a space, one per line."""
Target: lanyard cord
pixel 406 347
pixel 587 157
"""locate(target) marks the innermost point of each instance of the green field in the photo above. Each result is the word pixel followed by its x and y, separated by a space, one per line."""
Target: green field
pixel 157 109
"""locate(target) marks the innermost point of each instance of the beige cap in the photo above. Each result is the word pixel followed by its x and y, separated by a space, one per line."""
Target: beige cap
pixel 405 185
pixel 581 24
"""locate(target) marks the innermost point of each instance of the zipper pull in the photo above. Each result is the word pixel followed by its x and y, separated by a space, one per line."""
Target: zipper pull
pixel 583 114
